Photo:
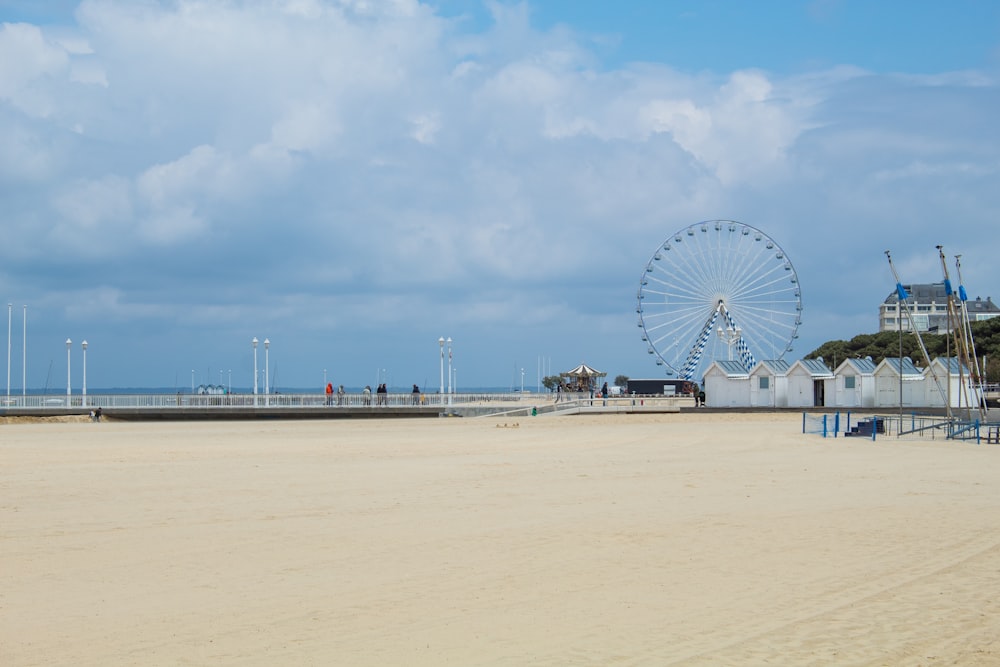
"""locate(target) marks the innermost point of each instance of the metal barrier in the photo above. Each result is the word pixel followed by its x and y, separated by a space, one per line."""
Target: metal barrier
pixel 57 403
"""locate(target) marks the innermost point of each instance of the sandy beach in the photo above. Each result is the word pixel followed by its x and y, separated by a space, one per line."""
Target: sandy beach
pixel 586 540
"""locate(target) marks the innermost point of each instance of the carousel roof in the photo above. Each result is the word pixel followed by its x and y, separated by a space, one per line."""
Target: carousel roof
pixel 584 371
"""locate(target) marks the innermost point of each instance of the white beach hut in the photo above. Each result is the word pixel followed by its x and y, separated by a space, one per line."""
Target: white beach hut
pixel 853 384
pixel 726 385
pixel 807 381
pixel 955 382
pixel 893 375
pixel 769 384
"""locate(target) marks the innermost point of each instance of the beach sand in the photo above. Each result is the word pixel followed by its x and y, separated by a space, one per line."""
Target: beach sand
pixel 578 540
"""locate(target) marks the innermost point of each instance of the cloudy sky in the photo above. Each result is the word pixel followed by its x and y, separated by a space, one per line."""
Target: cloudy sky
pixel 353 179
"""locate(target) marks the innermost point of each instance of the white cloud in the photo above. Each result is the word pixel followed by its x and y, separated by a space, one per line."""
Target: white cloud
pixel 27 58
pixel 307 127
pixel 94 212
pixel 172 224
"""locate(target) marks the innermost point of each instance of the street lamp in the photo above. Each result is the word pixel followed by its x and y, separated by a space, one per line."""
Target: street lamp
pixel 84 346
pixel 267 382
pixel 449 369
pixel 230 380
pixel 441 389
pixel 254 343
pixel 69 344
pixel 10 309
pixel 730 336
pixel 24 353
pixel 192 380
pixel 522 380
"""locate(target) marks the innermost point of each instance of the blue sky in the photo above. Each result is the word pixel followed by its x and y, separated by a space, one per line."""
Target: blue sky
pixel 353 180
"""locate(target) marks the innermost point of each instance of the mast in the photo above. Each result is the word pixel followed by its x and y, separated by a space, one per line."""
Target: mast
pixel 903 296
pixel 976 372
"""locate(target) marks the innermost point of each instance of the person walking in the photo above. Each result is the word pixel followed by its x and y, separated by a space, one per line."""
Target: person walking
pixel 329 393
pixel 341 395
pixel 415 395
pixel 366 394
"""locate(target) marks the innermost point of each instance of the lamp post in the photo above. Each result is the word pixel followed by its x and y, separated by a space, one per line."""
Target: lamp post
pixel 84 392
pixel 449 369
pixel 441 389
pixel 230 380
pixel 522 380
pixel 730 336
pixel 24 354
pixel 10 308
pixel 254 343
pixel 192 380
pixel 69 344
pixel 267 365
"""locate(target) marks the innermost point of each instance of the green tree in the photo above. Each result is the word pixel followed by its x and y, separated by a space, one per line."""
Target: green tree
pixel 621 380
pixel 550 382
pixel 878 346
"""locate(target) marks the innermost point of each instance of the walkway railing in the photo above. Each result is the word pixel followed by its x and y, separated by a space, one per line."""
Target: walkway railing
pixel 317 400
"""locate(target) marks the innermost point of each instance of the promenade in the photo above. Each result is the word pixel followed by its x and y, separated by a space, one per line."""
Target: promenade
pixel 185 407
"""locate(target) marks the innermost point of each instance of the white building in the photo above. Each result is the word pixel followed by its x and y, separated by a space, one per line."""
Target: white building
pixel 929 307
pixel 955 383
pixel 807 381
pixel 893 376
pixel 856 383
pixel 726 385
pixel 853 384
pixel 769 384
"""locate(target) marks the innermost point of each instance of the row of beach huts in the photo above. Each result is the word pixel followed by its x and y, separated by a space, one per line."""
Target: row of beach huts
pixel 854 383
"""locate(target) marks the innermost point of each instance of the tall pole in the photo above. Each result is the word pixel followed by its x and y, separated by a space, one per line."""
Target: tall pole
pixel 254 343
pixel 267 365
pixel 900 326
pixel 449 369
pixel 69 344
pixel 84 346
pixel 230 380
pixel 10 309
pixel 24 354
pixel 192 380
pixel 441 389
pixel 522 380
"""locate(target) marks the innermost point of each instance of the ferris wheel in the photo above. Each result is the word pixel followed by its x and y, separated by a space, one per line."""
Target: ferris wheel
pixel 718 290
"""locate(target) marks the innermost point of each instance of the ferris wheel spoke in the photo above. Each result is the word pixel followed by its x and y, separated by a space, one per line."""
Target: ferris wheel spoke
pixel 765 332
pixel 660 325
pixel 684 275
pixel 763 282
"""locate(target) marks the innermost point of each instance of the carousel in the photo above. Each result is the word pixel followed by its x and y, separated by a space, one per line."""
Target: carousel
pixel 581 378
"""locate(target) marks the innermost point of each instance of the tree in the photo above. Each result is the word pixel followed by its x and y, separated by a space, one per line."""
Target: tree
pixel 621 380
pixel 550 382
pixel 878 346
